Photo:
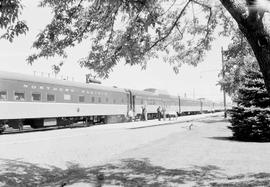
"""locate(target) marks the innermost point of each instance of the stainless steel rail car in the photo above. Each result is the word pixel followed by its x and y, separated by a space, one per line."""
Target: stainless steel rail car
pixel 40 101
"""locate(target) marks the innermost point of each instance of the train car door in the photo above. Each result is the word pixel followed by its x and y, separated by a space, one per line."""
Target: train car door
pixel 128 102
pixel 133 102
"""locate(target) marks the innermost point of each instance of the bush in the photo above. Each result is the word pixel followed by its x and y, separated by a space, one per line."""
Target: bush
pixel 250 124
pixel 250 120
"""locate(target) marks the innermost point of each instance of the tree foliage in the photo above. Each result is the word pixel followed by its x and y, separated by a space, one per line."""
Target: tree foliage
pixel 180 32
pixel 10 11
pixel 135 30
pixel 251 118
pixel 237 58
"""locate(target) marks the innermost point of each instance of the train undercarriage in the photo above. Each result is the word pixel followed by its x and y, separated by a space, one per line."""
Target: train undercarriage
pixel 37 123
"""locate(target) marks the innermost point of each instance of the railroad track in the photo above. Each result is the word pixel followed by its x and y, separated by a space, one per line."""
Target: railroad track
pixel 28 129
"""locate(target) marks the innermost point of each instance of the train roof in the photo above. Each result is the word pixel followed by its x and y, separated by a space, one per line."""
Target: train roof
pixel 143 93
pixel 163 95
pixel 47 80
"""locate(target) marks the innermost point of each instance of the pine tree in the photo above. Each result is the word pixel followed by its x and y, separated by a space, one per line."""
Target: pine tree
pixel 251 118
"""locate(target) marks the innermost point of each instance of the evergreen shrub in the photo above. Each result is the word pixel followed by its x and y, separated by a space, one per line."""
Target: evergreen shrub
pixel 250 119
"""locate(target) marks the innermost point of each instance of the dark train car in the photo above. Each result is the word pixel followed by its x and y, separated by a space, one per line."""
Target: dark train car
pixel 40 101
pixel 146 99
pixel 158 98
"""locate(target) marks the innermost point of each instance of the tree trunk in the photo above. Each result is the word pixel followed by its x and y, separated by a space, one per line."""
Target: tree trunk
pixel 250 22
pixel 260 43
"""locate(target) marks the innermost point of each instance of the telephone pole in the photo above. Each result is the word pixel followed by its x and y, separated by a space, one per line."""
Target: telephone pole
pixel 223 75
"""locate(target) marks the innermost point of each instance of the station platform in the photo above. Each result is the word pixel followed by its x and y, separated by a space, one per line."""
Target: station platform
pixel 156 122
pixel 125 125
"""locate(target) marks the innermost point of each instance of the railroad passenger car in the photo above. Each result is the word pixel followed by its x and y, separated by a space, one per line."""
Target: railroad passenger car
pixel 40 101
pixel 37 100
pixel 149 100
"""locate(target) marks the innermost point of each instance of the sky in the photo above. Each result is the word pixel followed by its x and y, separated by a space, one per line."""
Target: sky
pixel 192 82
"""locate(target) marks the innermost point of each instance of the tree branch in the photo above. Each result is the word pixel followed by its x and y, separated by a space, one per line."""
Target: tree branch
pixel 174 24
pixel 209 18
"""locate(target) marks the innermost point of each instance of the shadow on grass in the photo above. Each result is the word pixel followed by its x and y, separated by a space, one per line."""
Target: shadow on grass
pixel 231 138
pixel 127 172
pixel 223 138
pixel 215 120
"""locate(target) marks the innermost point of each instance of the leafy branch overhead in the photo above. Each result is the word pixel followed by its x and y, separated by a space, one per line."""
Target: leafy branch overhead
pixel 179 31
pixel 10 11
pixel 237 58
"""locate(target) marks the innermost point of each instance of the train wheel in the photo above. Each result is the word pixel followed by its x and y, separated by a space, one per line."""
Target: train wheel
pixel 36 123
pixel 2 128
pixel 16 124
pixel 20 124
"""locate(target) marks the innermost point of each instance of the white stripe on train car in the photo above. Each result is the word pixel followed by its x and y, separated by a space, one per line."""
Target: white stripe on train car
pixel 19 110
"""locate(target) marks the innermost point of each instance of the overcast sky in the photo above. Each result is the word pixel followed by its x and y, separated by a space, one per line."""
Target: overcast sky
pixel 194 82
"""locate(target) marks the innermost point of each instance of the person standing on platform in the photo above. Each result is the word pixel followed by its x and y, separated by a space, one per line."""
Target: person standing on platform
pixel 145 114
pixel 164 113
pixel 159 113
pixel 130 115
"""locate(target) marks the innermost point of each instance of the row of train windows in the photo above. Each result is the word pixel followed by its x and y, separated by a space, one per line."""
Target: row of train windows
pixel 153 102
pixel 141 101
pixel 66 90
pixel 20 96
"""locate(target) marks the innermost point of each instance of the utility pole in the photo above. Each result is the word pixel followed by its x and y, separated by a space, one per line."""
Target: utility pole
pixel 223 75
pixel 179 104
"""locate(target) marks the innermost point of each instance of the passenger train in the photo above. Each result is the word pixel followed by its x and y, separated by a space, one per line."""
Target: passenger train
pixel 43 101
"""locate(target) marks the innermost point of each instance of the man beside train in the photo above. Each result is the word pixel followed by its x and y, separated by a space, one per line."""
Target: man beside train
pixel 159 113
pixel 144 113
pixel 164 112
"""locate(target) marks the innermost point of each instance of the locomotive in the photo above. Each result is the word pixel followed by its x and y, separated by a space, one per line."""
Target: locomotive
pixel 43 101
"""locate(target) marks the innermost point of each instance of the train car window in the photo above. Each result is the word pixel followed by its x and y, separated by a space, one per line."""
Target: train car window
pixel 99 100
pixel 19 96
pixel 50 97
pixel 107 99
pixel 67 97
pixel 93 99
pixel 3 95
pixel 81 99
pixel 36 97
